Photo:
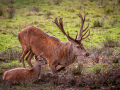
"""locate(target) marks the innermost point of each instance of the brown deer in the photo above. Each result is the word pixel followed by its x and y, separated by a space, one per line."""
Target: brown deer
pixel 34 41
pixel 24 74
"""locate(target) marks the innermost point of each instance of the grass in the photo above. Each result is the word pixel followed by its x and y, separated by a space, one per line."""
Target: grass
pixel 103 17
pixel 73 77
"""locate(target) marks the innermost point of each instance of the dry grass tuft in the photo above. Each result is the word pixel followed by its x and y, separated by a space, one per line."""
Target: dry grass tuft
pixel 101 79
pixel 111 43
pixel 97 23
pixel 10 54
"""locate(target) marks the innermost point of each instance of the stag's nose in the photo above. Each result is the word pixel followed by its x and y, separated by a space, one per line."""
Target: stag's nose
pixel 87 54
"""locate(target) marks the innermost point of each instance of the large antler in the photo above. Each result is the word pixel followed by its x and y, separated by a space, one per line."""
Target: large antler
pixel 60 26
pixel 81 36
pixel 78 37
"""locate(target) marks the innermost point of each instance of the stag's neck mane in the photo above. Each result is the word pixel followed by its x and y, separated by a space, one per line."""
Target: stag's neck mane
pixel 65 53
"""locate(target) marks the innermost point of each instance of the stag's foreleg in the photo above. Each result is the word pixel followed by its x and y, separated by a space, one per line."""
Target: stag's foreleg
pixel 28 58
pixel 25 50
pixel 39 77
pixel 53 68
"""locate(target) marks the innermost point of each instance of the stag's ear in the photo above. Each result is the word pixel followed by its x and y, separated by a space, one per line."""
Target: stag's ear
pixel 36 57
pixel 73 41
pixel 41 54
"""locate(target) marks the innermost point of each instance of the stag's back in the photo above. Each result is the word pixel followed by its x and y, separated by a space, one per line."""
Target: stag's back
pixel 38 41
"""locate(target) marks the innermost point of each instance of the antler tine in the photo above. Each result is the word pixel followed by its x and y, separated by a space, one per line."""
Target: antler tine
pixel 81 29
pixel 60 26
pixel 86 28
pixel 87 35
pixel 62 29
pixel 56 22
pixel 76 36
pixel 80 36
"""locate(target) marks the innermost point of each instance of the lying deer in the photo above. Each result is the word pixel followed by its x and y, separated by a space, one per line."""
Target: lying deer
pixel 24 74
pixel 34 41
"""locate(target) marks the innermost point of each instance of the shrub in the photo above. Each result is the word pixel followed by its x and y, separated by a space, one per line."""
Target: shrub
pixel 10 54
pixel 35 9
pixel 57 2
pixel 91 0
pixel 6 2
pixel 115 59
pixel 10 12
pixel 71 10
pixel 113 22
pixel 96 53
pixel 1 12
pixel 97 23
pixel 48 13
pixel 108 10
pixel 77 70
pixel 97 71
pixel 111 43
pixel 118 1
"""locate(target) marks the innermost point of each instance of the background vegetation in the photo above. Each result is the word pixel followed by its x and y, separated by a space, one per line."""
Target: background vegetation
pixel 103 42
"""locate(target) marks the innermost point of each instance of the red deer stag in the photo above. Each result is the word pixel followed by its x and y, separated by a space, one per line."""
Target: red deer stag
pixel 24 74
pixel 34 41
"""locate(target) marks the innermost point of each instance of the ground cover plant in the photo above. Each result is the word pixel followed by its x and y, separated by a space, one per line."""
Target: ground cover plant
pixel 101 70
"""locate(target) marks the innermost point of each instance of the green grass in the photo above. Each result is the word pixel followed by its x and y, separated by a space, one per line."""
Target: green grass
pixel 24 16
pixel 8 41
pixel 107 13
pixel 91 69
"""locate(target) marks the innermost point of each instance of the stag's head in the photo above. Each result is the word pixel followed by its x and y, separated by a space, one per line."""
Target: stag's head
pixel 76 43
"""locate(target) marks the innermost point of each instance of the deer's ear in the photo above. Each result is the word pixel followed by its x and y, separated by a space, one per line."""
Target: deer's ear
pixel 41 54
pixel 36 57
pixel 73 41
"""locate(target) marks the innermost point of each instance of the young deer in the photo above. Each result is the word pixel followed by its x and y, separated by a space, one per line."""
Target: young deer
pixel 24 74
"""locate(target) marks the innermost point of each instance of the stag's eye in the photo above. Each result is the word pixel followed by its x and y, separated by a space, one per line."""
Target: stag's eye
pixel 40 60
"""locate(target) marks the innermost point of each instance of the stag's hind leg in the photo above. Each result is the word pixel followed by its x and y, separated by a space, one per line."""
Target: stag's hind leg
pixel 28 58
pixel 25 50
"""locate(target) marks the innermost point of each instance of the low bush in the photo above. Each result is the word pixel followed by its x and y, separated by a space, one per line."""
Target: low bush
pixel 97 23
pixel 10 12
pixel 108 10
pixel 101 79
pixel 78 69
pixel 57 2
pixel 111 43
pixel 10 54
pixel 35 9
pixel 118 1
pixel 48 14
pixel 1 12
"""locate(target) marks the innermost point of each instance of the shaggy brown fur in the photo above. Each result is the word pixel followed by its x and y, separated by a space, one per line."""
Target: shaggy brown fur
pixel 24 74
pixel 34 41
